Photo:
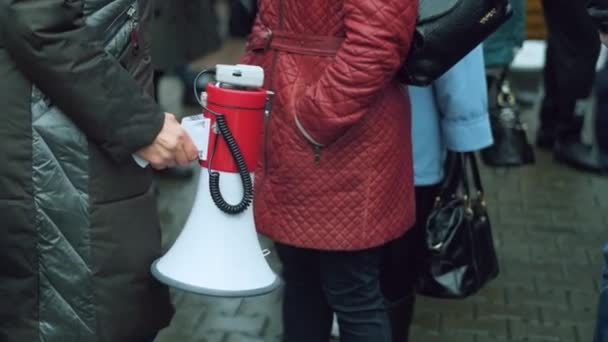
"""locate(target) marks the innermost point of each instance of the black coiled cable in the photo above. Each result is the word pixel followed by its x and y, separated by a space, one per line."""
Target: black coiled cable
pixel 214 177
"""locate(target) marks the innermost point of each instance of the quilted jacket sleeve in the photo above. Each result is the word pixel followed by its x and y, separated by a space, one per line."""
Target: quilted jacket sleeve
pixel 51 45
pixel 378 35
pixel 598 9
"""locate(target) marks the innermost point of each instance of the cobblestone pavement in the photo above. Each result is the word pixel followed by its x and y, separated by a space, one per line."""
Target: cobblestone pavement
pixel 549 226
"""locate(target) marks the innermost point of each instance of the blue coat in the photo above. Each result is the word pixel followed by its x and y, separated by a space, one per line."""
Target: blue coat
pixel 450 114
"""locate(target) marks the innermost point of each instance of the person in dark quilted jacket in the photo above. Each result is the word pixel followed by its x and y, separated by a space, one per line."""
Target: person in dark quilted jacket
pixel 78 221
pixel 335 182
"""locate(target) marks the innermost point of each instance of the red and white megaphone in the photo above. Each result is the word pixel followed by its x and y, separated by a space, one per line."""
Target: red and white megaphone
pixel 218 252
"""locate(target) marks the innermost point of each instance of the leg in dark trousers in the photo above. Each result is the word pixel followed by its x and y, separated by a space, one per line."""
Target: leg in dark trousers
pixel 318 283
pixel 307 316
pixel 572 51
pixel 402 264
pixel 601 110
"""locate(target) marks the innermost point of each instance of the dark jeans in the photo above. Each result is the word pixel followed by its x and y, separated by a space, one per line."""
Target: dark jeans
pixel 601 109
pixel 601 324
pixel 319 283
pixel 572 50
pixel 401 266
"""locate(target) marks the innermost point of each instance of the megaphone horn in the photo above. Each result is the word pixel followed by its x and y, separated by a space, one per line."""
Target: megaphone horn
pixel 218 252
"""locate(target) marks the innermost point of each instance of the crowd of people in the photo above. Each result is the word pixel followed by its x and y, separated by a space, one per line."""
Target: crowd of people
pixel 362 153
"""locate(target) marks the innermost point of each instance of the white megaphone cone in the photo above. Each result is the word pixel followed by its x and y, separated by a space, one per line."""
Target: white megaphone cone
pixel 218 252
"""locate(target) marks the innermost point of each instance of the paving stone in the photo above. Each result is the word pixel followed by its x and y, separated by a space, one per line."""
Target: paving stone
pixel 458 308
pixel 515 281
pixel 426 321
pixel 585 332
pixel 567 316
pixel 508 312
pixel 582 272
pixel 187 335
pixel 533 269
pixel 491 294
pixel 487 327
pixel 243 338
pixel 248 325
pixel 542 333
pixel 421 336
pixel 553 254
pixel 552 299
pixel 584 284
pixel 583 301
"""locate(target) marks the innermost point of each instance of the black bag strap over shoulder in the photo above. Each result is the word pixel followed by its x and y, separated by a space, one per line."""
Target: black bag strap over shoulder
pixel 446 31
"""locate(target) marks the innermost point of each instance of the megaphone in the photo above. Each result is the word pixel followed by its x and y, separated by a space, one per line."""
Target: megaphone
pixel 218 252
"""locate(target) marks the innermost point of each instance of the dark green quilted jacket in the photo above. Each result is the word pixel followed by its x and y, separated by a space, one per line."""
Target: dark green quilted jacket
pixel 78 221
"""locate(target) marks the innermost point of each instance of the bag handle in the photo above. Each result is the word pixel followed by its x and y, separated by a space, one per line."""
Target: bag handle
pixel 453 174
pixel 475 171
pixel 457 165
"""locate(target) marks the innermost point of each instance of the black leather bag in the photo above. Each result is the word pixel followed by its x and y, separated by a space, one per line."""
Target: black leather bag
pixel 446 31
pixel 511 146
pixel 460 257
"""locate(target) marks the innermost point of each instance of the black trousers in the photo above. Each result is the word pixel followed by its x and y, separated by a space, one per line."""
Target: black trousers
pixel 572 50
pixel 402 264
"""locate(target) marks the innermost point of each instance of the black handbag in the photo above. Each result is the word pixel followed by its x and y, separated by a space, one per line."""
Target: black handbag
pixel 511 146
pixel 460 257
pixel 446 31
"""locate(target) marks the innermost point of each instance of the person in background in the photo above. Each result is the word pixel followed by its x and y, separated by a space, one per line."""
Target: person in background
pixel 335 182
pixel 182 31
pixel 451 114
pixel 572 51
pixel 79 219
pixel 575 153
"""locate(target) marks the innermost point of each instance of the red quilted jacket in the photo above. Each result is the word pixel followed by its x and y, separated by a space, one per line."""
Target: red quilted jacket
pixel 336 170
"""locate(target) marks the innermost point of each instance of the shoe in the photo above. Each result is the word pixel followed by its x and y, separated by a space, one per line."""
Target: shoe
pixel 581 156
pixel 545 138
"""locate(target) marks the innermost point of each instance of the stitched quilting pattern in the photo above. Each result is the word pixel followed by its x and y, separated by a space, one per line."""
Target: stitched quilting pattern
pixel 359 193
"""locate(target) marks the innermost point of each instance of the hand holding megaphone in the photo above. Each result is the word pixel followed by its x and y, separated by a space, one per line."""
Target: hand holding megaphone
pixel 172 146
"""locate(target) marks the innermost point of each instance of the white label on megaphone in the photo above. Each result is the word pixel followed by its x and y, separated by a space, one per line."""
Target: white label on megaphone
pixel 198 127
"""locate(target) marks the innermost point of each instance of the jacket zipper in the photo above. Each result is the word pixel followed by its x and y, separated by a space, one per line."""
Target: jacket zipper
pixel 112 29
pixel 317 149
pixel 134 34
pixel 133 41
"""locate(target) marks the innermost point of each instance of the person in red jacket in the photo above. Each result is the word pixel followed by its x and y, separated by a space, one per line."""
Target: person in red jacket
pixel 335 183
